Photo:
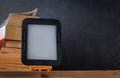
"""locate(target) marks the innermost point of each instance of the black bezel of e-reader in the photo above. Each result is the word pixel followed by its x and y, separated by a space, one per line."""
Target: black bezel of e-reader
pixel 39 21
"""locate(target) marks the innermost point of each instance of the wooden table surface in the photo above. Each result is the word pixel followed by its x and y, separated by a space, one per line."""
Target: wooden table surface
pixel 62 74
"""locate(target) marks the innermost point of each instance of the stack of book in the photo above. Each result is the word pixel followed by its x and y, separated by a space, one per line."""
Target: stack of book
pixel 10 55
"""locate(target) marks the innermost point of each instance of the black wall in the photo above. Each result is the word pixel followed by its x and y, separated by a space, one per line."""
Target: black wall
pixel 90 29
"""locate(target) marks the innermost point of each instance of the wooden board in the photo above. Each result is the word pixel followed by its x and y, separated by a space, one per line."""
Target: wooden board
pixel 63 74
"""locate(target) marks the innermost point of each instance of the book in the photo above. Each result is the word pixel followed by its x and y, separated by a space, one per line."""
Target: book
pixel 29 13
pixel 10 57
pixel 13 44
pixel 16 19
pixel 5 23
pixel 13 67
pixel 13 33
pixel 6 49
pixel 2 41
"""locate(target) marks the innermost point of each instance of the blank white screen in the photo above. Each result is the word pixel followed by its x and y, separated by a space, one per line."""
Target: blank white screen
pixel 41 42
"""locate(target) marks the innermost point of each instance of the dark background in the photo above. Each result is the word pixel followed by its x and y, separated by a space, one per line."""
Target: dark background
pixel 90 29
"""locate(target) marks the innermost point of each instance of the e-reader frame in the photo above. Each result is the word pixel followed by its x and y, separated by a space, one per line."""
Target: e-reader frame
pixel 39 21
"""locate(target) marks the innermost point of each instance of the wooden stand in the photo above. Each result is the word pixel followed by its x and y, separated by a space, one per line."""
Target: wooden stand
pixel 40 68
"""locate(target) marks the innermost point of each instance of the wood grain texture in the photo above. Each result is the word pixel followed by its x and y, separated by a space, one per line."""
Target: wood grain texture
pixel 62 74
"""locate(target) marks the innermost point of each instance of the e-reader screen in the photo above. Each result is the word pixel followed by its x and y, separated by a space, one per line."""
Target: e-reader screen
pixel 41 43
